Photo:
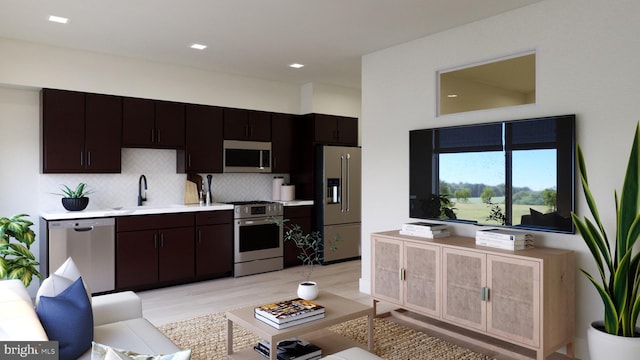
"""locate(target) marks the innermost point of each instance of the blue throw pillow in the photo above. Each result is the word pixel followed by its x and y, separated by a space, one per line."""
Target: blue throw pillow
pixel 68 319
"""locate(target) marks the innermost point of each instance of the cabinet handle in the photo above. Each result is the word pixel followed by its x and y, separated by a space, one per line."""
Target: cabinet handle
pixel 158 136
pixel 81 158
pixel 161 240
pixel 199 237
pixel 402 274
pixel 246 130
pixel 155 241
pixel 88 158
pixel 484 293
pixel 153 135
pixel 189 160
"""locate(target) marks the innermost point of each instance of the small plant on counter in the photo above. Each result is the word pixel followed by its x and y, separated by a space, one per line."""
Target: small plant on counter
pixel 16 260
pixel 79 192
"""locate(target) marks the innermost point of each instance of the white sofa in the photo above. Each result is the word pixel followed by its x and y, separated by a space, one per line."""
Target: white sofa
pixel 117 318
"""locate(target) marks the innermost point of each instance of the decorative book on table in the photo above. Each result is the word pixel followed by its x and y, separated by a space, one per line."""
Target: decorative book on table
pixel 425 229
pixel 289 312
pixel 504 239
pixel 291 349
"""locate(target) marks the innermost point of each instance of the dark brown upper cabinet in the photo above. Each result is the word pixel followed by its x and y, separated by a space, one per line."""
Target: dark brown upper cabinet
pixel 335 130
pixel 249 125
pixel 153 123
pixel 203 147
pixel 282 136
pixel 80 132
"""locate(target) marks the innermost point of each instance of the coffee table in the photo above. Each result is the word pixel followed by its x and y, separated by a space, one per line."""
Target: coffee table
pixel 337 310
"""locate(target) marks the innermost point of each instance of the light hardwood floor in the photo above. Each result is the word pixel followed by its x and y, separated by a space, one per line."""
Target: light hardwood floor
pixel 183 302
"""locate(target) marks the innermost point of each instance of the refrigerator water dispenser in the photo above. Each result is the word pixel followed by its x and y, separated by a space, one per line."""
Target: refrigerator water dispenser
pixel 333 191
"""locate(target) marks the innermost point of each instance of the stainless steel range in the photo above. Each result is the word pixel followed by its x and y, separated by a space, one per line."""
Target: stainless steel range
pixel 257 239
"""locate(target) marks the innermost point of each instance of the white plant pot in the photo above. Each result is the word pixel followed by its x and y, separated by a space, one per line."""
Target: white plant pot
pixel 308 290
pixel 604 346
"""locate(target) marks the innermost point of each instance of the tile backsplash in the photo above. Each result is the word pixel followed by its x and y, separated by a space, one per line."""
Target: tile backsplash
pixel 165 186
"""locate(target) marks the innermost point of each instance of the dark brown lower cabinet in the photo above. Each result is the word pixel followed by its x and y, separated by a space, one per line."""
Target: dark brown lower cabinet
pixel 301 216
pixel 154 250
pixel 214 244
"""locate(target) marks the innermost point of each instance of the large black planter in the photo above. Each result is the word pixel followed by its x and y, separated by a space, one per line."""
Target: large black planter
pixel 75 204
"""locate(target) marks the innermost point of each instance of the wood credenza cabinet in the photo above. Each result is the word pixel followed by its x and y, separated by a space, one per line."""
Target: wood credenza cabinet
pixel 525 297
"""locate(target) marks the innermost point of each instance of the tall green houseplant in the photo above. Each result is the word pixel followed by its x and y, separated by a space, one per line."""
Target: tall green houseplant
pixel 618 278
pixel 16 259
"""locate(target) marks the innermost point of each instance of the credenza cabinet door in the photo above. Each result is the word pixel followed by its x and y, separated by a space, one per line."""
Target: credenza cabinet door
pixel 464 277
pixel 387 260
pixel 422 278
pixel 513 310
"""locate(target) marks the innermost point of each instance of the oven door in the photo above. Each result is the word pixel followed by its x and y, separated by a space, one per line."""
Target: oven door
pixel 257 239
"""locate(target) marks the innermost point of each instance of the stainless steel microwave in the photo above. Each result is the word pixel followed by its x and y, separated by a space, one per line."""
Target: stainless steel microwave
pixel 246 156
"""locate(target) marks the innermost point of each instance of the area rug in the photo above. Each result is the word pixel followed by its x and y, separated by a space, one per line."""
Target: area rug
pixel 206 336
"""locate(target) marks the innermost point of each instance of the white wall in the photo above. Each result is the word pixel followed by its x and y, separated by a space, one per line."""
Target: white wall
pixel 587 64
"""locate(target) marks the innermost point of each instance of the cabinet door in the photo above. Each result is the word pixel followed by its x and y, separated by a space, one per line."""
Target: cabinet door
pixel 103 121
pixel 464 276
pixel 325 129
pixel 301 216
pixel 136 259
pixel 386 255
pixel 513 310
pixel 169 125
pixel 281 142
pixel 214 250
pixel 62 131
pixel 236 124
pixel 138 122
pixel 422 278
pixel 348 131
pixel 203 140
pixel 259 126
pixel 177 254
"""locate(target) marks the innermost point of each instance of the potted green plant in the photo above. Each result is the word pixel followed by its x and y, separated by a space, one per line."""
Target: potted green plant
pixel 75 199
pixel 16 260
pixel 618 278
pixel 311 252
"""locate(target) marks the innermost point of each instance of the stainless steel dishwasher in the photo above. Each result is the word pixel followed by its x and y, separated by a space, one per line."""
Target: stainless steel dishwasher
pixel 91 244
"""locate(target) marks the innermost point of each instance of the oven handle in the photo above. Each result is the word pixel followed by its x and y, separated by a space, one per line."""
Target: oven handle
pixel 262 221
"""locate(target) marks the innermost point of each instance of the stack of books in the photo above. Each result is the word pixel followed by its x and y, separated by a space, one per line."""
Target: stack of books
pixel 504 239
pixel 284 314
pixel 290 349
pixel 425 229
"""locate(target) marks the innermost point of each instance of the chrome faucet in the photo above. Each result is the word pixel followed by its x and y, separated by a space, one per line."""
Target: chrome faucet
pixel 142 198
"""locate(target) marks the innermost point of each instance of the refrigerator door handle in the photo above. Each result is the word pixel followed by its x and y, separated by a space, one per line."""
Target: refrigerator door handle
pixel 348 181
pixel 342 188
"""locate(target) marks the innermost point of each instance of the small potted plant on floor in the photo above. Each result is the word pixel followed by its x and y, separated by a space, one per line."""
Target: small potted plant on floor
pixel 16 259
pixel 618 278
pixel 75 200
pixel 311 252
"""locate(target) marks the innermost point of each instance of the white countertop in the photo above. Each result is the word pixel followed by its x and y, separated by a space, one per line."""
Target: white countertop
pixel 148 210
pixel 138 210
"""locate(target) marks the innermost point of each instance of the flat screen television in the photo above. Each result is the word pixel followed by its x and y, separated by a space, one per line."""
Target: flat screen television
pixel 517 173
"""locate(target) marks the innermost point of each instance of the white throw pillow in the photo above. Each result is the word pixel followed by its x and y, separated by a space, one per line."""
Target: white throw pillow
pixel 104 352
pixel 60 280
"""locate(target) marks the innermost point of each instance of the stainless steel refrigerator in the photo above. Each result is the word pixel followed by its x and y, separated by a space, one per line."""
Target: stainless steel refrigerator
pixel 337 200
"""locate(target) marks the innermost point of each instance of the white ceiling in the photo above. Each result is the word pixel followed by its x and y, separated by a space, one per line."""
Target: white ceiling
pixel 256 38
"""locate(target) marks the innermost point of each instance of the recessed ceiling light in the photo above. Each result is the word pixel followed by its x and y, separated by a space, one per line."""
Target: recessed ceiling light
pixel 296 65
pixel 452 96
pixel 58 19
pixel 198 46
